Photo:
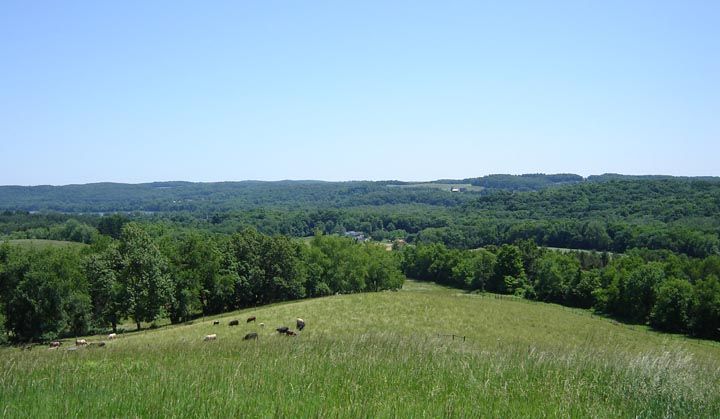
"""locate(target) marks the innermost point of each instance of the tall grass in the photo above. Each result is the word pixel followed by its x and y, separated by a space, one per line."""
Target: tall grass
pixel 376 355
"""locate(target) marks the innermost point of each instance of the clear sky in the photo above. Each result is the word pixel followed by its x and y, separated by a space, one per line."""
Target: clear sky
pixel 137 91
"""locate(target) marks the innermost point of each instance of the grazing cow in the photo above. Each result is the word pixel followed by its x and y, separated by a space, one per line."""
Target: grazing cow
pixel 234 322
pixel 251 336
pixel 300 324
pixel 80 342
pixel 283 329
pixel 210 337
pixel 55 344
pixel 262 324
pixel 290 333
pixel 251 319
pixel 112 336
pixel 216 322
pixel 101 344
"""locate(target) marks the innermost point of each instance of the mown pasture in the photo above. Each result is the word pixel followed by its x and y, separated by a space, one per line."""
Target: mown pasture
pixel 388 354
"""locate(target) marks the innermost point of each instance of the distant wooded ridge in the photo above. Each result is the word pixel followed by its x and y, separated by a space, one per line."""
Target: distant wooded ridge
pixel 222 196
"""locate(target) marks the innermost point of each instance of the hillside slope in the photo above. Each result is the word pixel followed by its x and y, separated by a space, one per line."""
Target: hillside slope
pixel 381 354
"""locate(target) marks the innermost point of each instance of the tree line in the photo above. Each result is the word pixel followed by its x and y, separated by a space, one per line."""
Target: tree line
pixel 668 291
pixel 679 214
pixel 414 225
pixel 147 274
pixel 142 272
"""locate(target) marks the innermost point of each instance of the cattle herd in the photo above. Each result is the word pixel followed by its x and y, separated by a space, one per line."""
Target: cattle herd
pixel 282 330
pixel 56 344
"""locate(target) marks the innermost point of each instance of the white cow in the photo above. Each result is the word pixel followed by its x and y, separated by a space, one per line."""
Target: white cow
pixel 210 337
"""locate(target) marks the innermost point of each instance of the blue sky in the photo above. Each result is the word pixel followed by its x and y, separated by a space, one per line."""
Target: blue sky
pixel 139 91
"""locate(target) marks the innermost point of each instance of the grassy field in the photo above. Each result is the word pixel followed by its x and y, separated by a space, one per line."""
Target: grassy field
pixel 40 243
pixel 376 355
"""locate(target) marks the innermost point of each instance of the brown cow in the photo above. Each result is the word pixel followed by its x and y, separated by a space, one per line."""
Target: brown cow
pixel 251 319
pixel 234 322
pixel 251 336
pixel 55 344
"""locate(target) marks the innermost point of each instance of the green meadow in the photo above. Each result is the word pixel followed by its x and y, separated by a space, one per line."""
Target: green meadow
pixel 388 354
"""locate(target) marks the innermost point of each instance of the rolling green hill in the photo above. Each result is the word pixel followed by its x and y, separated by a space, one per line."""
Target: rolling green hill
pixel 376 355
pixel 197 197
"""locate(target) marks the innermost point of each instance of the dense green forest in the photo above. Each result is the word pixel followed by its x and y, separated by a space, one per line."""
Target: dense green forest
pixel 651 243
pixel 206 198
pixel 203 198
pixel 610 213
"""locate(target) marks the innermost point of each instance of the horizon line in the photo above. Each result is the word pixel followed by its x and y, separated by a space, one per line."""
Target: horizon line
pixel 446 179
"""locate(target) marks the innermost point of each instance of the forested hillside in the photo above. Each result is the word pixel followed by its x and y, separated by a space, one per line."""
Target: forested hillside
pixel 645 249
pixel 224 196
pixel 604 213
pixel 215 197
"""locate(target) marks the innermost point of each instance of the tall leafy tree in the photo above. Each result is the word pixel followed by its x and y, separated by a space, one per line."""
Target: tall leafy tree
pixel 556 272
pixel 281 266
pixel 383 269
pixel 245 258
pixel 672 306
pixel 107 293
pixel 317 266
pixel 631 292
pixel 509 270
pixel 705 309
pixel 111 225
pixel 146 288
pixel 474 269
pixel 47 300
pixel 580 292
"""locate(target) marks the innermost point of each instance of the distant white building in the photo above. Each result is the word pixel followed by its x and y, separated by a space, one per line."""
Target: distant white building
pixel 358 236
